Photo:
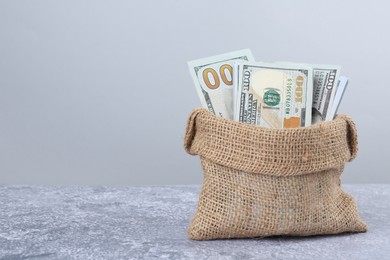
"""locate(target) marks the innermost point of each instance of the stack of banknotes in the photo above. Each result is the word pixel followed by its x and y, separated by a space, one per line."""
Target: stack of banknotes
pixel 272 95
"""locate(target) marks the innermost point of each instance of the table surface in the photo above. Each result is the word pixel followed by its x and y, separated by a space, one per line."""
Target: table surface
pixel 98 222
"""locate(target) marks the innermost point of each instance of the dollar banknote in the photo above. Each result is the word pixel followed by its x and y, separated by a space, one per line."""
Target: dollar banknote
pixel 274 95
pixel 214 81
pixel 325 78
pixel 341 87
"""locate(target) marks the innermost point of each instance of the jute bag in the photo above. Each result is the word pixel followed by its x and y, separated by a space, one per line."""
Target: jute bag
pixel 262 182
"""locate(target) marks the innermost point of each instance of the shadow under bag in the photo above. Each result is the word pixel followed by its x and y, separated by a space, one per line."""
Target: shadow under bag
pixel 262 182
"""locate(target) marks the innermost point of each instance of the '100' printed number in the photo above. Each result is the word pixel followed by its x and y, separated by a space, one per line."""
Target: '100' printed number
pixel 226 68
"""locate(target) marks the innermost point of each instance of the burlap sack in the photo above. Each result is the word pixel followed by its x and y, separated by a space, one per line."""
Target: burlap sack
pixel 261 182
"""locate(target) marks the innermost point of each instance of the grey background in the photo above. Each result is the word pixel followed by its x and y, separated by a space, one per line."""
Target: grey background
pixel 98 92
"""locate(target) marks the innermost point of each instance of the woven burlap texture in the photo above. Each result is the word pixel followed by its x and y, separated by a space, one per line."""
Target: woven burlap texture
pixel 261 182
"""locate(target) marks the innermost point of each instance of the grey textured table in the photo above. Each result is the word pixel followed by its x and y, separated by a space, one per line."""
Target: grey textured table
pixel 73 222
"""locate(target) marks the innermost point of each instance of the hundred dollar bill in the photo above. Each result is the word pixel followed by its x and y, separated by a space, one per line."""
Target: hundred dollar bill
pixel 214 81
pixel 274 95
pixel 341 87
pixel 325 78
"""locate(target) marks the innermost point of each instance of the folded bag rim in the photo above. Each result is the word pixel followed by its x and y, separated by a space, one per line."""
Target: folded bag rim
pixel 278 152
